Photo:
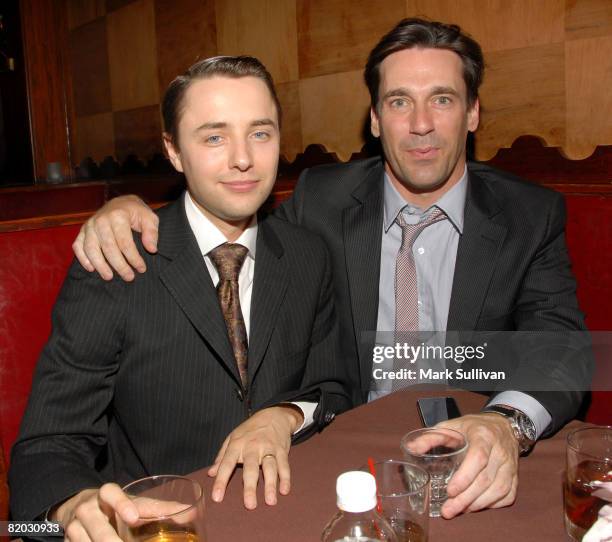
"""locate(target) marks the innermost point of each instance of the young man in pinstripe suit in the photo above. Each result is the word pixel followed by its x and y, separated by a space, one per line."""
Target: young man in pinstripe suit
pixel 160 376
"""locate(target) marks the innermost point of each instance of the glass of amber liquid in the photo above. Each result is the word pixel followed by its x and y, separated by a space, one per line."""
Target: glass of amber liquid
pixel 402 490
pixel 589 463
pixel 171 509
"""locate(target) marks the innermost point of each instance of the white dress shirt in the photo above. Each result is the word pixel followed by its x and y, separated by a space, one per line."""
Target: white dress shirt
pixel 210 237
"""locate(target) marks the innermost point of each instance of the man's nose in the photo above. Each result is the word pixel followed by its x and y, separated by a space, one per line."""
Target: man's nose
pixel 421 122
pixel 240 156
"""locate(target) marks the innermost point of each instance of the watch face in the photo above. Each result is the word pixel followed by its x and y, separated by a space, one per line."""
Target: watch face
pixel 527 427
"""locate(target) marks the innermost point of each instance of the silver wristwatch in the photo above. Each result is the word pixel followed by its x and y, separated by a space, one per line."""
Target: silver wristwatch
pixel 522 425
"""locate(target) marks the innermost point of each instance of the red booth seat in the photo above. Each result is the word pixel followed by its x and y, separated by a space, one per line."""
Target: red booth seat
pixel 33 264
pixel 589 240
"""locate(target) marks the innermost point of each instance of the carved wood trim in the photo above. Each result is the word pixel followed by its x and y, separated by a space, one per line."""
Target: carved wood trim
pixel 73 203
pixel 529 158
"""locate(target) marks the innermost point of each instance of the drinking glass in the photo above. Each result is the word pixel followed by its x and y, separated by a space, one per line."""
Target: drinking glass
pixel 171 509
pixel 439 451
pixel 589 463
pixel 403 495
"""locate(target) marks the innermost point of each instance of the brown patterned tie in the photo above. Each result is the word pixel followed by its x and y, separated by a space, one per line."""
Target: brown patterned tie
pixel 228 259
pixel 406 287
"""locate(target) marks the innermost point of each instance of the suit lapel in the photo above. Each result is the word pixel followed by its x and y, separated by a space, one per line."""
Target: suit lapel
pixel 269 287
pixel 477 255
pixel 188 281
pixel 362 231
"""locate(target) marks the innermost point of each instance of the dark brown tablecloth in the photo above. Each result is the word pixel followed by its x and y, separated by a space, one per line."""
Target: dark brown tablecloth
pixel 375 430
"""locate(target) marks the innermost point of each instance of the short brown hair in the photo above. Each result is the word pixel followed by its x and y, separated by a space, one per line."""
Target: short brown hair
pixel 226 66
pixel 414 32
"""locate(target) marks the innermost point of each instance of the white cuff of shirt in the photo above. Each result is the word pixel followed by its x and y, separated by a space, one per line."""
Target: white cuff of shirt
pixel 527 404
pixel 308 409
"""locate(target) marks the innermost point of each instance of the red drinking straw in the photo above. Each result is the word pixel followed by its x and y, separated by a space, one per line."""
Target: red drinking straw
pixel 373 473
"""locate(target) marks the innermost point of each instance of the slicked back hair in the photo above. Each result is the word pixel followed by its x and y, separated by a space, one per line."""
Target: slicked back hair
pixel 224 66
pixel 420 33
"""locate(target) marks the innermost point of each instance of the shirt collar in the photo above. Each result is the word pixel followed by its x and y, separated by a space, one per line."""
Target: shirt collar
pixel 209 236
pixel 452 203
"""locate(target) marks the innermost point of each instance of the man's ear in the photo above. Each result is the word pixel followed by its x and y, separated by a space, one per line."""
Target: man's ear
pixel 374 125
pixel 473 116
pixel 172 152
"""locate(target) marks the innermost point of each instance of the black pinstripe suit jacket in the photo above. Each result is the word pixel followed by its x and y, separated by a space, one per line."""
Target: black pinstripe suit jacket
pixel 512 270
pixel 139 378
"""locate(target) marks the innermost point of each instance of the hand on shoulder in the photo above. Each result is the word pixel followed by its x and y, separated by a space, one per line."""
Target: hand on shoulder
pixel 105 242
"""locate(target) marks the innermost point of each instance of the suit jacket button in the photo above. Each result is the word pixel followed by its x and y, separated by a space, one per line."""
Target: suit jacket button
pixel 329 417
pixel 240 394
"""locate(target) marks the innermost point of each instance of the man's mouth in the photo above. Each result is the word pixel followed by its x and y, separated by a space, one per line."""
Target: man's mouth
pixel 423 153
pixel 241 186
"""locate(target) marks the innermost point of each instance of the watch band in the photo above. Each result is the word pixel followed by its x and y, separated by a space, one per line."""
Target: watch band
pixel 522 425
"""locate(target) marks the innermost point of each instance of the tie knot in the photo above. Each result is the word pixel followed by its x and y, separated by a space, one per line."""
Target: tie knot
pixel 228 259
pixel 411 231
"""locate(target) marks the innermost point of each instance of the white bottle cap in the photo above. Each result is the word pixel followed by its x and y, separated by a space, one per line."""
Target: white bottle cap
pixel 356 491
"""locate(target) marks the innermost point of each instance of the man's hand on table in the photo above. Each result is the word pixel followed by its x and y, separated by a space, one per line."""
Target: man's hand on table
pixel 488 476
pixel 262 440
pixel 107 237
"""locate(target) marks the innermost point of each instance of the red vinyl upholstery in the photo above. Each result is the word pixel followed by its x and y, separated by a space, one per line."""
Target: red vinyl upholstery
pixel 32 267
pixel 589 240
pixel 33 264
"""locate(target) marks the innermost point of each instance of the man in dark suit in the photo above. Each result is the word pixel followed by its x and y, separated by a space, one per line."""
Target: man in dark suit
pixel 489 252
pixel 156 376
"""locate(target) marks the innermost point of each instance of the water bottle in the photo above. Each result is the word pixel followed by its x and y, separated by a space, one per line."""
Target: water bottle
pixel 357 519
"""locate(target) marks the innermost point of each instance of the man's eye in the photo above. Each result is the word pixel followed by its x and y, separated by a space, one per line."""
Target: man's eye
pixel 443 100
pixel 213 139
pixel 398 102
pixel 261 135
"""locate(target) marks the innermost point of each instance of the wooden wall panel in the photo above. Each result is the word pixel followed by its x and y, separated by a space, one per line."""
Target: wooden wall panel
pixel 84 11
pixel 588 18
pixel 523 93
pixel 89 63
pixel 334 109
pixel 291 131
pixel 45 46
pixel 116 4
pixel 588 77
pixel 138 132
pixel 337 35
pixel 132 56
pixel 499 24
pixel 186 32
pixel 265 29
pixel 94 137
pixel 544 77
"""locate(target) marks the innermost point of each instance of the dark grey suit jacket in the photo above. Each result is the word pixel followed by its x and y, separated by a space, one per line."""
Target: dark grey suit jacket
pixel 512 270
pixel 140 379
